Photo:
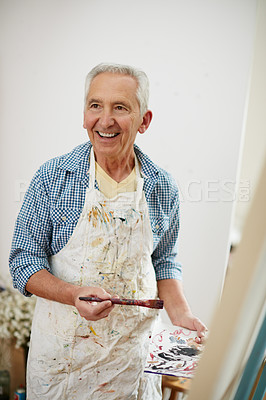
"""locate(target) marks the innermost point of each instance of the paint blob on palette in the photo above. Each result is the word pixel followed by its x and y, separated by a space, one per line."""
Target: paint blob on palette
pixel 173 351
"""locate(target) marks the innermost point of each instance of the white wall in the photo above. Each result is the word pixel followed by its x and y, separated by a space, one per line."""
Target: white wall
pixel 197 55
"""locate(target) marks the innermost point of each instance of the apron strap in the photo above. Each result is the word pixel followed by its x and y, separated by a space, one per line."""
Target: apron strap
pixel 92 170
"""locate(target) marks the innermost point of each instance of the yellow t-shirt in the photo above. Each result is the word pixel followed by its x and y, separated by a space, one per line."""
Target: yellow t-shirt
pixel 109 187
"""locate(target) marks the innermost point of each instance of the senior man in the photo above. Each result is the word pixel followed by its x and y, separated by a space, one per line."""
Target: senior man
pixel 101 221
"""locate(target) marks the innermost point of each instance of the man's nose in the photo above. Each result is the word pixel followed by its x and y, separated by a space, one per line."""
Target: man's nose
pixel 106 118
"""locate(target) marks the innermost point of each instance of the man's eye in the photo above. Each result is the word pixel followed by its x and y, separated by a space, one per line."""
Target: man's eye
pixel 94 105
pixel 120 108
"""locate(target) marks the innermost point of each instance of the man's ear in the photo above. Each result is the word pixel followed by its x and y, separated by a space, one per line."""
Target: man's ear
pixel 146 120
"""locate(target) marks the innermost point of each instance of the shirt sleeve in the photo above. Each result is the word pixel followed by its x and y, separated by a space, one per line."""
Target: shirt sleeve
pixel 164 256
pixel 31 241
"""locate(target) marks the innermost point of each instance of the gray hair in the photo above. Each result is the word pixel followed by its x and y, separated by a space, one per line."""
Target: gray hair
pixel 140 76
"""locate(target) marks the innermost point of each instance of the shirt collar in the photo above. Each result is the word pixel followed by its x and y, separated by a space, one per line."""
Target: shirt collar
pixel 78 161
pixel 148 169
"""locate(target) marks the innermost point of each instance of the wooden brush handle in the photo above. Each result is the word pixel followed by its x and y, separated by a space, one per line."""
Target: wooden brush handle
pixel 128 302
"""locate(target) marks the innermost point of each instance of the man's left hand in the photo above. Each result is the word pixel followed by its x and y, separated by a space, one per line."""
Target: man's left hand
pixel 189 321
pixel 176 305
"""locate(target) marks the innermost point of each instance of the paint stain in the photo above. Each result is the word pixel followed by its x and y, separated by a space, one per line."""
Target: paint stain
pixel 177 340
pixel 191 367
pixel 101 388
pixel 98 343
pixel 84 336
pixel 93 331
pixel 95 215
pixel 96 242
pixel 114 332
pixel 172 354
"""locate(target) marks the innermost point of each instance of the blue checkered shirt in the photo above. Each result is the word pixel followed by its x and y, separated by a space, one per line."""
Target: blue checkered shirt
pixel 54 201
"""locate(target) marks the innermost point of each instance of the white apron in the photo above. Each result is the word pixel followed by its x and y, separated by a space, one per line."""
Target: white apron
pixel 74 359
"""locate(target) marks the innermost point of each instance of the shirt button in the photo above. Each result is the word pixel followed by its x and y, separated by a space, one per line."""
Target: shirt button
pixel 157 226
pixel 64 218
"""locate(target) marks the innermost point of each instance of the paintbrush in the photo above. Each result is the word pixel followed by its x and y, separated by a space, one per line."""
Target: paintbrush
pixel 129 302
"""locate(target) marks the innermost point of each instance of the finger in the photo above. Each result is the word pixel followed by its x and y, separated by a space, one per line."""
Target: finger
pixel 99 311
pixel 200 327
pixel 201 331
pixel 99 307
pixel 94 307
pixel 200 340
pixel 100 292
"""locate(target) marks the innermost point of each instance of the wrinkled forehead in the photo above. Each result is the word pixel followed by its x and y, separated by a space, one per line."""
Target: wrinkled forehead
pixel 109 84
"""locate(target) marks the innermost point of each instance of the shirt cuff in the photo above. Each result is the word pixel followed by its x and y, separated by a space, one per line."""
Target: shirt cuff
pixel 169 272
pixel 22 274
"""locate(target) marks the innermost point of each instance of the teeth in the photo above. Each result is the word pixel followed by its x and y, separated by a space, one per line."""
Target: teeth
pixel 103 134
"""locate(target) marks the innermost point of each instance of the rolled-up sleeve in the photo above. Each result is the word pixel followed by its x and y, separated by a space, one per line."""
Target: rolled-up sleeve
pixel 30 246
pixel 164 256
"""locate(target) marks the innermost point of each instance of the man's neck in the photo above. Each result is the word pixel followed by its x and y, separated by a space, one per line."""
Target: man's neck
pixel 117 169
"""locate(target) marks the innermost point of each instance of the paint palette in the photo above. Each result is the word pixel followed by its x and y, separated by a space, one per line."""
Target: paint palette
pixel 173 351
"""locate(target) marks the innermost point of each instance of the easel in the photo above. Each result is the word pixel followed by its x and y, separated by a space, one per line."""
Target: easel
pixel 239 317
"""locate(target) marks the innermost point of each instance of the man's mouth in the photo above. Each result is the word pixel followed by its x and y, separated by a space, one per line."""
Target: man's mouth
pixel 107 135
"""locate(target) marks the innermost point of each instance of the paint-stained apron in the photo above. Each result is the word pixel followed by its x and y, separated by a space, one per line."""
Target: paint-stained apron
pixel 72 358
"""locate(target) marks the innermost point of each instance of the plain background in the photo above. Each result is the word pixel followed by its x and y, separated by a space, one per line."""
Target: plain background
pixel 198 56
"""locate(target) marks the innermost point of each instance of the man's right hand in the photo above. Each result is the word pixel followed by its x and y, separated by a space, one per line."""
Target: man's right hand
pixel 93 311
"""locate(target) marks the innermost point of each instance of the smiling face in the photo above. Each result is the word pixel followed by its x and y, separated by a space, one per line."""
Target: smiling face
pixel 112 117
